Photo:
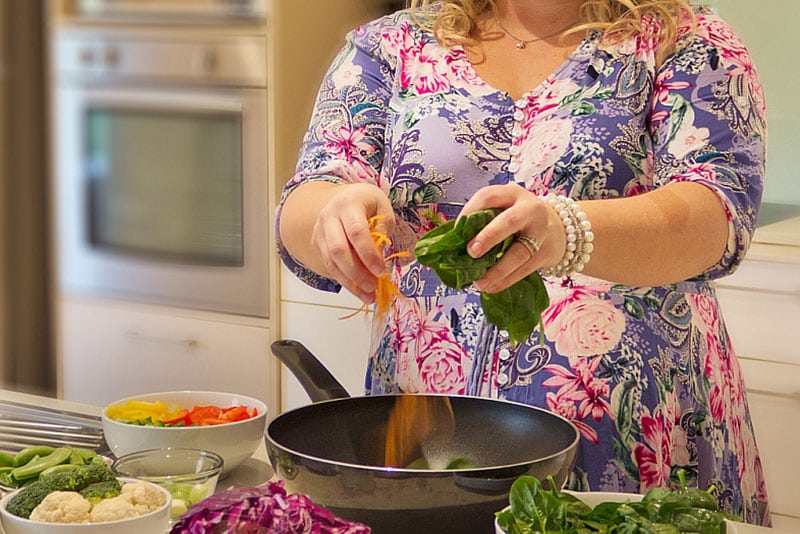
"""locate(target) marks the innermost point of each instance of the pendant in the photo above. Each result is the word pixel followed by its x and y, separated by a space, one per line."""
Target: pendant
pixel 520 45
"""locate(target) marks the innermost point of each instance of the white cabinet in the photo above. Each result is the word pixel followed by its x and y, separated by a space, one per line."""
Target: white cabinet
pixel 315 318
pixel 761 305
pixel 108 350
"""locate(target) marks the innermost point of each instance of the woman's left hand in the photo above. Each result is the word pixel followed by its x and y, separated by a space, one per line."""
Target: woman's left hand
pixel 524 214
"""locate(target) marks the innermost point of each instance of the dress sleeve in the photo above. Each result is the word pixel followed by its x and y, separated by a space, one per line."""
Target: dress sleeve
pixel 708 122
pixel 344 142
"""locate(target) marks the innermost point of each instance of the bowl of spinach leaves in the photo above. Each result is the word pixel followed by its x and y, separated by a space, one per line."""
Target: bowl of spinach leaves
pixel 537 507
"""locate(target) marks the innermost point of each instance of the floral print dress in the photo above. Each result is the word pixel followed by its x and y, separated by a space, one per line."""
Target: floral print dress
pixel 647 374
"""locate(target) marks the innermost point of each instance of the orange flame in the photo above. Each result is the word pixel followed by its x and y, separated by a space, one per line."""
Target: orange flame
pixel 414 420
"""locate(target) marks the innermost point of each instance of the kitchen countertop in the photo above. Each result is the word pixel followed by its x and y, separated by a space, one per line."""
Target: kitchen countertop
pixel 252 472
pixel 777 235
pixel 255 470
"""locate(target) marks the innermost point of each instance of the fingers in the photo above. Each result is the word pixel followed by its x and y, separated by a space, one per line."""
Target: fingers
pixel 342 262
pixel 517 263
pixel 525 216
pixel 522 211
pixel 343 238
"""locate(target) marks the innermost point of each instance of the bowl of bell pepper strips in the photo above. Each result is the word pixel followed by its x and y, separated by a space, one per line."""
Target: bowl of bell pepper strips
pixel 228 424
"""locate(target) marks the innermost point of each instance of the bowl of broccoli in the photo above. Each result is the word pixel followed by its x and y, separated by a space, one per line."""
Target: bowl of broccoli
pixel 88 499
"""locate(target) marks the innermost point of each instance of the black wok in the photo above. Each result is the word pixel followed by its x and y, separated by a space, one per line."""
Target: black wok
pixel 333 451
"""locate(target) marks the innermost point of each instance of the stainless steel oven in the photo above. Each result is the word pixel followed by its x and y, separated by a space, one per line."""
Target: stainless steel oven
pixel 161 172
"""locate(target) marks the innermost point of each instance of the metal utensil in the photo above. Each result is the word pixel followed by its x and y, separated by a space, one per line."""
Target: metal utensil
pixel 23 425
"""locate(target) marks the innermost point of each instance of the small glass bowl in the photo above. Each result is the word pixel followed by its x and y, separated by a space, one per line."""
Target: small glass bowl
pixel 190 475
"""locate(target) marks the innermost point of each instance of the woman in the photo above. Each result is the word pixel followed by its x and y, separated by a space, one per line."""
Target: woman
pixel 624 141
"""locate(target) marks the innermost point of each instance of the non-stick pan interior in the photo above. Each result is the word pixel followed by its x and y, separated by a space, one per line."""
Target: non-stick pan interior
pixel 488 432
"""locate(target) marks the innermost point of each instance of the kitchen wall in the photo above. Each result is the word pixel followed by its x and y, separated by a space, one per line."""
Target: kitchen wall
pixel 314 31
pixel 26 360
pixel 3 159
pixel 767 29
pixel 94 331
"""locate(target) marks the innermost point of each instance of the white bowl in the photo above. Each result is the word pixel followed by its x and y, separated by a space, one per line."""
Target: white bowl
pixel 155 522
pixel 235 442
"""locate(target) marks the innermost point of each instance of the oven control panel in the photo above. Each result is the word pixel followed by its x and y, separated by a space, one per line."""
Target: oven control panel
pixel 240 61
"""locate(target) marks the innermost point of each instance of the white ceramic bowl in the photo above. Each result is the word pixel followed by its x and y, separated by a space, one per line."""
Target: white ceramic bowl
pixel 235 442
pixel 155 522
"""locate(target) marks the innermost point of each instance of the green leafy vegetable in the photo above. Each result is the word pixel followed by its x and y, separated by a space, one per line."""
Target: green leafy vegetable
pixel 535 509
pixel 517 309
pixel 98 491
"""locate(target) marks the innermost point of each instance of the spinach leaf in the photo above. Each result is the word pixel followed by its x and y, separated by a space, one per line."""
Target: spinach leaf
pixel 517 309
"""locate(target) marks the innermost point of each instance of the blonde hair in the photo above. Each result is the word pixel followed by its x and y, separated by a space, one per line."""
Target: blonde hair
pixel 456 21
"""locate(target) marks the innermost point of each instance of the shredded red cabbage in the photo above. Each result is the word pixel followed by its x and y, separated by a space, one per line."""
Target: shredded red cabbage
pixel 262 509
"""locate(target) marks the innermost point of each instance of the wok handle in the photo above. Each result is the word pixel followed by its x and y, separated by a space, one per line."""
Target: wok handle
pixel 315 378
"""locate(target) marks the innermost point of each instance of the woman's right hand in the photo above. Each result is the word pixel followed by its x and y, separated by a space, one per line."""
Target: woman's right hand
pixel 340 245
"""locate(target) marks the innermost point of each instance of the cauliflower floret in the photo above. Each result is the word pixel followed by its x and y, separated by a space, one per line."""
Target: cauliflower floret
pixel 62 507
pixel 112 509
pixel 136 498
pixel 144 497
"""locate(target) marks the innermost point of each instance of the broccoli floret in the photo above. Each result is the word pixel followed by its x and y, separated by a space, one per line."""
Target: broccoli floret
pixel 64 481
pixel 101 490
pixel 79 478
pixel 96 472
pixel 29 497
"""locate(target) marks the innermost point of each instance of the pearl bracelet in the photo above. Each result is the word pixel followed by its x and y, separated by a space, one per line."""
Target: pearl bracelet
pixel 579 236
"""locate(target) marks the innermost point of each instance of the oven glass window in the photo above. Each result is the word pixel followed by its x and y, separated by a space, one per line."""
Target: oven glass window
pixel 165 184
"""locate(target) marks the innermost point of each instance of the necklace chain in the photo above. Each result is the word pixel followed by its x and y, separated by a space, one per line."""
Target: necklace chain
pixel 522 43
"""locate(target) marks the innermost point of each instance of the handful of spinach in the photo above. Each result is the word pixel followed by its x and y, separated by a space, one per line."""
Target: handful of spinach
pixel 517 309
pixel 661 511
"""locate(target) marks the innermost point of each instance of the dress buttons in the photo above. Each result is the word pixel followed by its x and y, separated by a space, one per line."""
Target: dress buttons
pixel 519 115
pixel 514 150
pixel 502 379
pixel 513 166
pixel 521 103
pixel 504 354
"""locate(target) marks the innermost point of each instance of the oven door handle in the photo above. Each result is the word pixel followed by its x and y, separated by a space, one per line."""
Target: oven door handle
pixel 165 100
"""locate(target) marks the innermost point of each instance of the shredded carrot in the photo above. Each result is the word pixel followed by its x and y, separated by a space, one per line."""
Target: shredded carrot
pixel 385 290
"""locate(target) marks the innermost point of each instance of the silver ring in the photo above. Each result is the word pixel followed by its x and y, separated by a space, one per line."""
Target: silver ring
pixel 529 242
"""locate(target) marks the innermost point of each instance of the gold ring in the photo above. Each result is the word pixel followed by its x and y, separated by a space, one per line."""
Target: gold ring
pixel 529 242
